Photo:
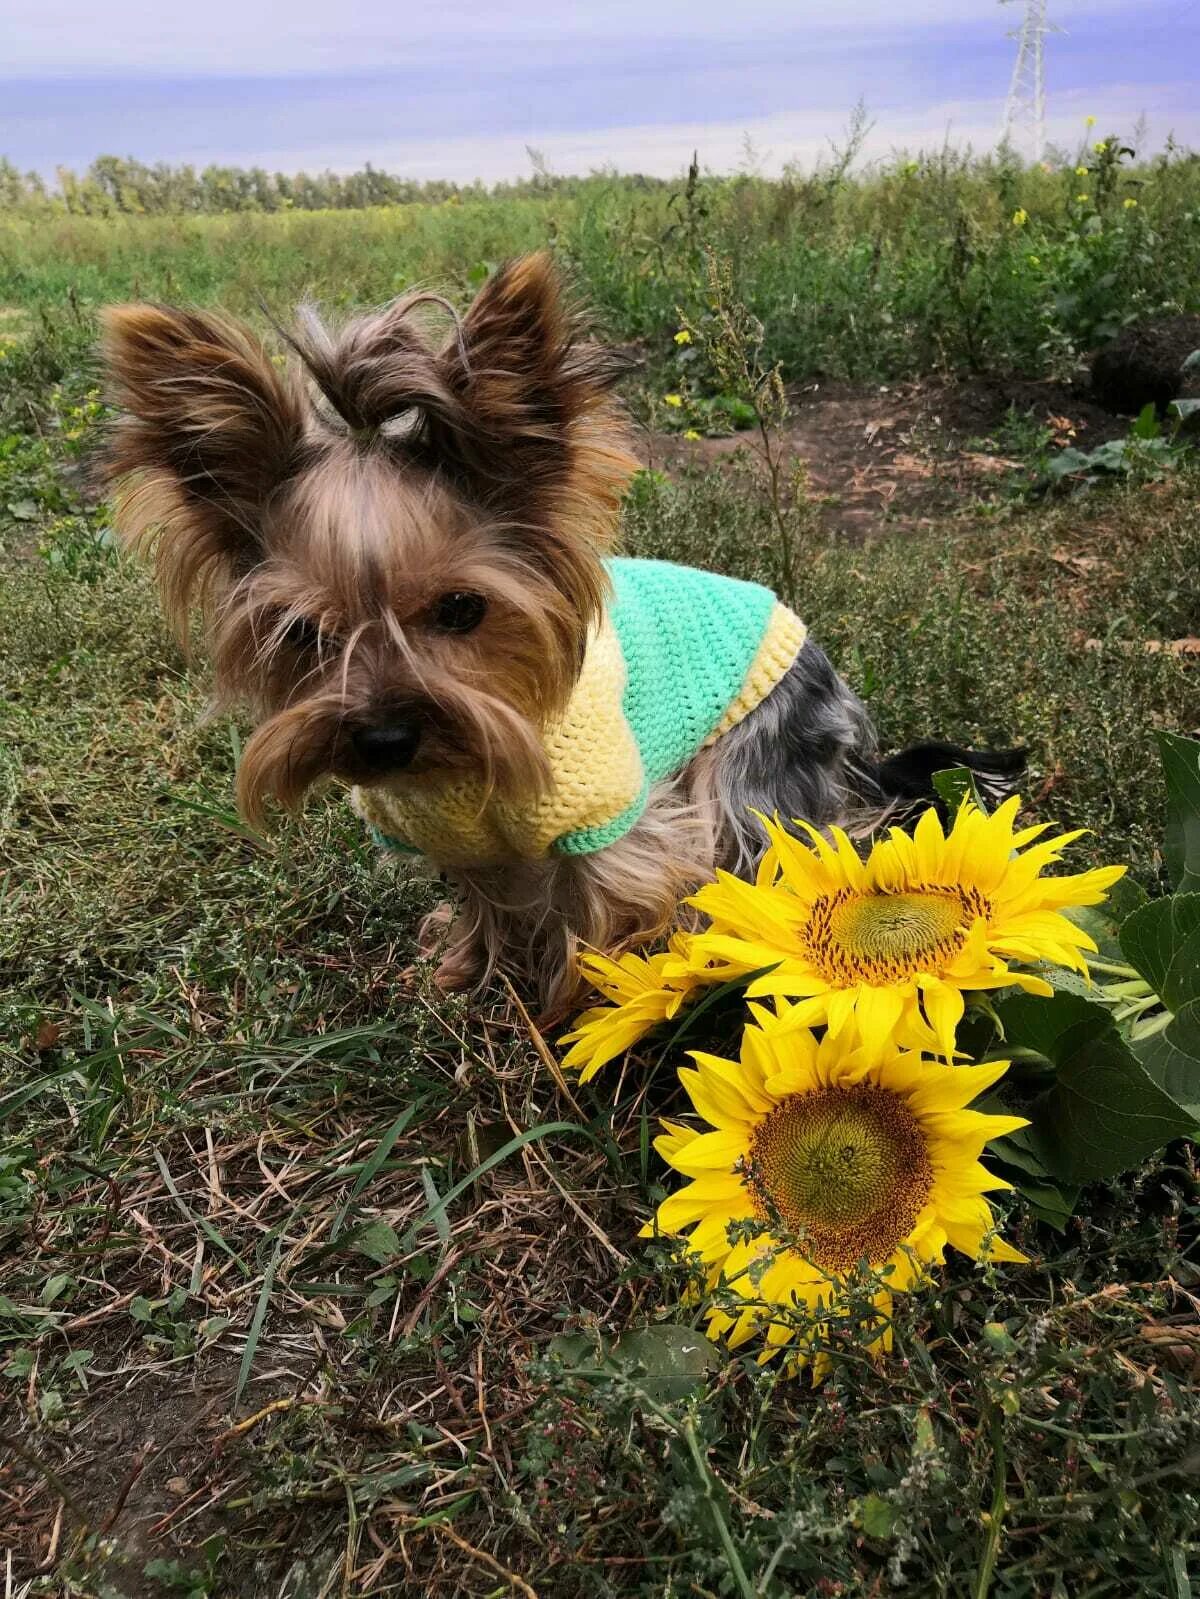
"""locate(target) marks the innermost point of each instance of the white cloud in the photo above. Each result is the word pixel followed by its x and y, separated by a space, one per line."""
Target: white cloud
pixel 59 37
pixel 803 137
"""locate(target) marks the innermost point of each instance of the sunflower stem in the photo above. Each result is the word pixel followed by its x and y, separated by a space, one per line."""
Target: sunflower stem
pixel 744 1585
pixel 991 1548
pixel 1113 969
pixel 1148 1029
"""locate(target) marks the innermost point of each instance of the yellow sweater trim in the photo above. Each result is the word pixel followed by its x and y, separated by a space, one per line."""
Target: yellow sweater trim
pixel 782 642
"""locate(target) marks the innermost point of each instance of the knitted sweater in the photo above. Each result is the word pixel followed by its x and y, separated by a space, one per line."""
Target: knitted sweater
pixel 680 657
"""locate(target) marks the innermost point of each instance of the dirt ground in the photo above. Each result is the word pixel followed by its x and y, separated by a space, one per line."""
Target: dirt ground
pixel 902 455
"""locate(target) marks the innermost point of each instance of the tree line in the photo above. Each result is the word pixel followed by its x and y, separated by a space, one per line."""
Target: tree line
pixel 115 185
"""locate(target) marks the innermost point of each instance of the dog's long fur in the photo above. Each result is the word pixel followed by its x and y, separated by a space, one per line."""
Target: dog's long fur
pixel 331 516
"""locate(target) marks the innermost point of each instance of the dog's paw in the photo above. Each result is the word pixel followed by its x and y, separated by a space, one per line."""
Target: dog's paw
pixel 434 930
pixel 456 972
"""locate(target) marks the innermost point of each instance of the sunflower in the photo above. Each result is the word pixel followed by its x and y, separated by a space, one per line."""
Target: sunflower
pixel 896 940
pixel 823 1156
pixel 641 997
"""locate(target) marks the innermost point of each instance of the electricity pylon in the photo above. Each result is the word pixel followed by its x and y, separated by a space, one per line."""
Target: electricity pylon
pixel 1025 108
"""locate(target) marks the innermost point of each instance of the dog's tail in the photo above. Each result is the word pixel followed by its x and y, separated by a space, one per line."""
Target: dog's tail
pixel 904 781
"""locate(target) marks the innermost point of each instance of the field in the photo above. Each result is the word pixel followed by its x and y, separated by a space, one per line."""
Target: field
pixel 290 1241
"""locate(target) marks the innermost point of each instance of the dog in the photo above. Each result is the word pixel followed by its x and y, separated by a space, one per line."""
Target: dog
pixel 401 546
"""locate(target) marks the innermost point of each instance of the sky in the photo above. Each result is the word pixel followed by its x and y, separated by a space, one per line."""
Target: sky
pixel 463 90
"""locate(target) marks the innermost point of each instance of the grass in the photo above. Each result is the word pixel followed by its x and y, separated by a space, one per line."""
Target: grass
pixel 942 262
pixel 291 1242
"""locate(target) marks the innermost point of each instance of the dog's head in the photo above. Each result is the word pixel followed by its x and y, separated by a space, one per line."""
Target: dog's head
pixel 395 539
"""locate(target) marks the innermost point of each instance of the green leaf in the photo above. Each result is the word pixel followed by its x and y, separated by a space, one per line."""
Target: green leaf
pixel 1031 1022
pixel 254 1332
pixel 1172 1057
pixel 878 1516
pixel 954 785
pixel 1181 838
pixel 378 1242
pixel 1049 1203
pixel 1147 425
pixel 1163 941
pixel 1104 1112
pixel 666 1360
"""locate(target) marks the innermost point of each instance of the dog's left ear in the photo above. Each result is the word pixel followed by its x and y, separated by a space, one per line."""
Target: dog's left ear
pixel 540 431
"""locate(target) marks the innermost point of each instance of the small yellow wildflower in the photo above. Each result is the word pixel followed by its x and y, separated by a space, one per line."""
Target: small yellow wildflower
pixel 1020 217
pixel 673 400
pixel 1089 122
pixel 1101 147
pixel 683 337
pixel 1082 199
pixel 692 435
pixel 1081 172
pixel 1129 204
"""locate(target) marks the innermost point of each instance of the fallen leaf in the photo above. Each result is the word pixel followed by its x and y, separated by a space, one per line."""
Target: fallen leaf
pixel 1076 563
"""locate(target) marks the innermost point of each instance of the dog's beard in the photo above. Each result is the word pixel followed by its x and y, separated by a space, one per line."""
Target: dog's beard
pixel 466 732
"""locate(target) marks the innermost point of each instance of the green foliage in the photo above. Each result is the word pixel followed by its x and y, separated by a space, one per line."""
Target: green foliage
pixel 1181 842
pixel 917 265
pixel 1144 454
pixel 1108 1081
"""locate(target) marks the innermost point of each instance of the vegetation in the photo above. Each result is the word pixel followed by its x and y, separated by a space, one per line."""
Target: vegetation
pixel 316 1282
pixel 939 263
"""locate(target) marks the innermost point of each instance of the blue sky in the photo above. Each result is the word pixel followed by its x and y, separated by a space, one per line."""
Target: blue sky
pixel 460 90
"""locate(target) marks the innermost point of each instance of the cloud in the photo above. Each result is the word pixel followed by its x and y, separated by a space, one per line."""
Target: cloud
pixel 260 36
pixel 664 150
pixel 460 90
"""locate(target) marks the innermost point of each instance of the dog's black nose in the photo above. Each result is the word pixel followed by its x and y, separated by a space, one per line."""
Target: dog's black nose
pixel 386 749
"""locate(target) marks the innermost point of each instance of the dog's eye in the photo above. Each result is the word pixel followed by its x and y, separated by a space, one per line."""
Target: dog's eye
pixel 302 635
pixel 459 612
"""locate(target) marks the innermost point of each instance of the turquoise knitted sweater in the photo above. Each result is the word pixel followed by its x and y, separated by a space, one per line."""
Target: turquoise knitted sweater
pixel 682 656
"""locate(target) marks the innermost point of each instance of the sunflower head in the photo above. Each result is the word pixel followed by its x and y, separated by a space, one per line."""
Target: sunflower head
pixel 894 941
pixel 820 1159
pixel 642 990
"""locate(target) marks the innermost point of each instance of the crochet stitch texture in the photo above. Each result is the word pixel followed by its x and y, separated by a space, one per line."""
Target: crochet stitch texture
pixel 681 657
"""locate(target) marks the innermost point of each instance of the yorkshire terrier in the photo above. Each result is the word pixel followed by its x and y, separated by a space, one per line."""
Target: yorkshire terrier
pixel 401 548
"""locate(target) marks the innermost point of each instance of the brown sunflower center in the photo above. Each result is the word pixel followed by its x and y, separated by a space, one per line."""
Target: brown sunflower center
pixel 846 1168
pixel 881 937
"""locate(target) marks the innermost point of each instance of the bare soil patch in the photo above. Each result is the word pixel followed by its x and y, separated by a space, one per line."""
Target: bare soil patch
pixel 903 455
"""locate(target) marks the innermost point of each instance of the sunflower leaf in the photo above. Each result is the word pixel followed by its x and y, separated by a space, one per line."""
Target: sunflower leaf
pixel 1172 1057
pixel 1181 838
pixel 954 785
pixel 1105 1112
pixel 666 1360
pixel 1162 940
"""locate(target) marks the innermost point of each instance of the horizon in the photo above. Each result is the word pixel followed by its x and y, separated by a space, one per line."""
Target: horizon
pixel 469 100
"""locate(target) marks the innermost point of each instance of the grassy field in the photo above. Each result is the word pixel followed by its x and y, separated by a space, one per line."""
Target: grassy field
pixel 288 1239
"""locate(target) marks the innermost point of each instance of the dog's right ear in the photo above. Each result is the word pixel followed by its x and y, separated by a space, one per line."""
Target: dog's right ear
pixel 208 429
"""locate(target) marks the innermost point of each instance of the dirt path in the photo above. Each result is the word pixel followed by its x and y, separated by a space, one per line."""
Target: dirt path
pixel 903 455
